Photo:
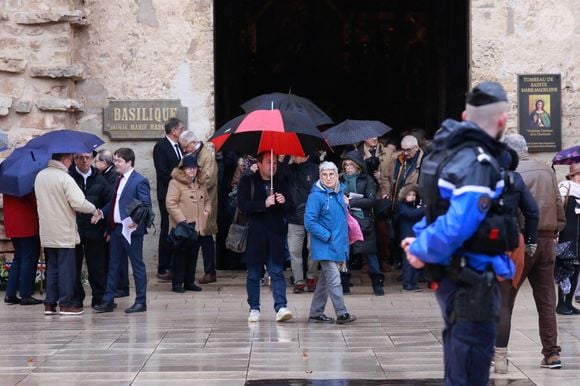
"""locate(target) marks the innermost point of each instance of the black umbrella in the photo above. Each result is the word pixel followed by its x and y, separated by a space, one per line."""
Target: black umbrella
pixel 288 102
pixel 354 131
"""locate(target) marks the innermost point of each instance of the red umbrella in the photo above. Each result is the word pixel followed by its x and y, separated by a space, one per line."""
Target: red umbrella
pixel 280 132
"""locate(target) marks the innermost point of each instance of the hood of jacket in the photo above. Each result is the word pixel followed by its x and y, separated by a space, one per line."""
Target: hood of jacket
pixel 180 175
pixel 452 133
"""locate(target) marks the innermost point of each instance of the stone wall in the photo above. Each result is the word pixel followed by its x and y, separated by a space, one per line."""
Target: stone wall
pixel 62 61
pixel 515 37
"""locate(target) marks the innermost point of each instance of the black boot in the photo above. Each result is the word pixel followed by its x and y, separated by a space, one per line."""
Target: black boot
pixel 562 308
pixel 378 280
pixel 345 282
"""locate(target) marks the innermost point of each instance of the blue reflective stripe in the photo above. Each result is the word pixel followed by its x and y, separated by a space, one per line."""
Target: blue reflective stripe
pixel 437 242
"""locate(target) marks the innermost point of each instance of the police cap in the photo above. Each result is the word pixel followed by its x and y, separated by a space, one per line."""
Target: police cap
pixel 486 93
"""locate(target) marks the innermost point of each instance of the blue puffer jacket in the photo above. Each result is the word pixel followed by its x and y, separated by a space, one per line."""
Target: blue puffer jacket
pixel 325 220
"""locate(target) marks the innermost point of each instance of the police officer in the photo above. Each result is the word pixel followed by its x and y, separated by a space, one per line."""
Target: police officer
pixel 462 239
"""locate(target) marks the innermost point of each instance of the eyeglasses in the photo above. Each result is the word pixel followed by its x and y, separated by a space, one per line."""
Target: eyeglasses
pixel 408 150
pixel 349 164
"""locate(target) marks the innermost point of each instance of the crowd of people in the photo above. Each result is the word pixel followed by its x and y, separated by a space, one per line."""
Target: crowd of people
pixel 443 213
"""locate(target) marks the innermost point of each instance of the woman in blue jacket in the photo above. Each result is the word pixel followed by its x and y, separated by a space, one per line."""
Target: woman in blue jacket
pixel 325 220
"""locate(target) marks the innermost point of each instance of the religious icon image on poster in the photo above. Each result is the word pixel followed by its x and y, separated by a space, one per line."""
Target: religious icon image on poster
pixel 539 108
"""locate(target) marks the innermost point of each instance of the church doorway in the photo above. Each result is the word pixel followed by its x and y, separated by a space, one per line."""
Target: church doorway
pixel 403 62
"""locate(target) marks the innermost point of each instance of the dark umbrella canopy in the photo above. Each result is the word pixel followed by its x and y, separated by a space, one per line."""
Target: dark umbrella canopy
pixel 281 132
pixel 65 141
pixel 354 131
pixel 288 102
pixel 19 170
pixel 567 156
pixel 3 141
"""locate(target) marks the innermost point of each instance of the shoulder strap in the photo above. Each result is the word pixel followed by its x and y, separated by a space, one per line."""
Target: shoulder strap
pixel 237 212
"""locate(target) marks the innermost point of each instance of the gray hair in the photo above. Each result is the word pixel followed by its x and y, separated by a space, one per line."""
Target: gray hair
pixel 106 156
pixel 187 137
pixel 409 140
pixel 327 165
pixel 516 142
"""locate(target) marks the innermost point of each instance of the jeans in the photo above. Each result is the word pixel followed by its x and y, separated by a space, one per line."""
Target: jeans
pixel 328 285
pixel 60 276
pixel 410 276
pixel 467 346
pixel 208 251
pixel 24 264
pixel 296 236
pixel 255 273
pixel 373 262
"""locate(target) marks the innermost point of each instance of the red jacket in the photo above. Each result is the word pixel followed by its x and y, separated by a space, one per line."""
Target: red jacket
pixel 20 216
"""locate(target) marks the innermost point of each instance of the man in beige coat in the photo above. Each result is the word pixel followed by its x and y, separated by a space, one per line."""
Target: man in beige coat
pixel 58 197
pixel 205 155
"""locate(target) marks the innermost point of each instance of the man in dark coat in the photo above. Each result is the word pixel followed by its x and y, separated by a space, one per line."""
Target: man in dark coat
pixel 302 174
pixel 166 156
pixel 267 209
pixel 98 191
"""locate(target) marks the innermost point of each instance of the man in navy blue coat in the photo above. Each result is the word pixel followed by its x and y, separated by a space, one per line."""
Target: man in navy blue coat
pixel 130 185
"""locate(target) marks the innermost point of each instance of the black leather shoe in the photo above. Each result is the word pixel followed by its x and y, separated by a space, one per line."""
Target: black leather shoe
pixel 193 287
pixel 177 288
pixel 30 301
pixel 121 294
pixel 136 308
pixel 11 300
pixel 104 307
pixel 345 318
pixel 167 276
pixel 320 319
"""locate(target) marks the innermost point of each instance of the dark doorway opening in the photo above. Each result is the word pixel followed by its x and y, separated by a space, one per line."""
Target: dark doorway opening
pixel 404 62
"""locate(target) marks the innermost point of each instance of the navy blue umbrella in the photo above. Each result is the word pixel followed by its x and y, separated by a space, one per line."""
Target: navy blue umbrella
pixel 3 141
pixel 18 171
pixel 65 141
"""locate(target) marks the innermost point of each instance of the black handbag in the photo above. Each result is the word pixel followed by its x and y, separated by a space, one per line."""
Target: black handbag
pixel 182 236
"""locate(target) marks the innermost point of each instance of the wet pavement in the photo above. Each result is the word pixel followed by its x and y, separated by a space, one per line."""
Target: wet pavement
pixel 203 338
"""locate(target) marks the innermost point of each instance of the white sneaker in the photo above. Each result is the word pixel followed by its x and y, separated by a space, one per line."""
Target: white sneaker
pixel 254 316
pixel 283 315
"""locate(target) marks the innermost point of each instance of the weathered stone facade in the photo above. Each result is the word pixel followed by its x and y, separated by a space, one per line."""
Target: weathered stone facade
pixel 61 61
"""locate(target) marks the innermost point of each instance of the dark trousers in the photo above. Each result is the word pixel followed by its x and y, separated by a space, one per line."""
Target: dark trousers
pixel 24 264
pixel 410 276
pixel 97 266
pixel 60 276
pixel 208 251
pixel 123 271
pixel 539 269
pixel 164 250
pixel 120 249
pixel 467 346
pixel 184 264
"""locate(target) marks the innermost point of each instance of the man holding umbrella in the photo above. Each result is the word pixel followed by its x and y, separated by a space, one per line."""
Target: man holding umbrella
pixel 263 197
pixel 58 197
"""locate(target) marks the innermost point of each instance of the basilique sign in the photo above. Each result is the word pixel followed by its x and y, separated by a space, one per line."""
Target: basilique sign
pixel 140 119
pixel 539 111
